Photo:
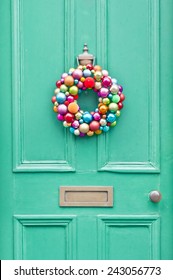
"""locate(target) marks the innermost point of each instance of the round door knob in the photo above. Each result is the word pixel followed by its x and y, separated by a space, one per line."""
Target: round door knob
pixel 155 196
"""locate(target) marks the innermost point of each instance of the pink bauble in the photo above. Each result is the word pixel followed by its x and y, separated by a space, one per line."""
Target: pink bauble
pixel 106 82
pixel 75 124
pixel 64 75
pixel 62 109
pixel 80 84
pixel 70 98
pixel 60 117
pixel 103 92
pixel 96 116
pixel 94 125
pixel 77 74
pixel 105 73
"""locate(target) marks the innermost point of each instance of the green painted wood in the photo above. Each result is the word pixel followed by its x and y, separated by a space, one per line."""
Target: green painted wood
pixel 29 157
pixel 6 185
pixel 132 39
pixel 36 237
pixel 129 237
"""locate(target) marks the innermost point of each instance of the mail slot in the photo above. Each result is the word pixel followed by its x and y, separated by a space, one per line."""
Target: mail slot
pixel 86 196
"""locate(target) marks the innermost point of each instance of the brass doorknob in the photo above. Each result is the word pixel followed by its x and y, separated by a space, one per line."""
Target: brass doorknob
pixel 155 196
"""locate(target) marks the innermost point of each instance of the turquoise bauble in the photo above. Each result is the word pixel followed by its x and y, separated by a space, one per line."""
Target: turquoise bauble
pixel 87 117
pixel 60 97
pixel 111 118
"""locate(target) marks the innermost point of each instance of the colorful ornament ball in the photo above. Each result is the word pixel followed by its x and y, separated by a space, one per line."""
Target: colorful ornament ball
pixel 72 84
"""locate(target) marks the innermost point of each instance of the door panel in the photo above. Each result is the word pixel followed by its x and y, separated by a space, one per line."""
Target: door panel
pixel 30 44
pixel 136 26
pixel 44 237
pixel 129 237
pixel 39 41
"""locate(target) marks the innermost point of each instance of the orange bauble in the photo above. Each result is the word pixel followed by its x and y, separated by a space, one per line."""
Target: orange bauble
pixel 97 68
pixel 73 108
pixel 69 81
pixel 103 109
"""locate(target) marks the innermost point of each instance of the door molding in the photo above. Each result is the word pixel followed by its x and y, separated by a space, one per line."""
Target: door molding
pixel 23 222
pixel 152 164
pixel 151 222
pixel 20 161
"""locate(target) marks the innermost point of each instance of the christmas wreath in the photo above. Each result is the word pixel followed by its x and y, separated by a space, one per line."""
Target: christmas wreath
pixel 72 85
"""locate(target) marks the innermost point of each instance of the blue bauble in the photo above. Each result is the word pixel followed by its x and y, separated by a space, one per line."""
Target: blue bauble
pixel 72 130
pixel 105 128
pixel 111 118
pixel 110 96
pixel 81 121
pixel 87 117
pixel 60 97
pixel 87 73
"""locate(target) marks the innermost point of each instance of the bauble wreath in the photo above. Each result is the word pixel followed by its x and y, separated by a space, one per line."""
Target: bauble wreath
pixel 74 83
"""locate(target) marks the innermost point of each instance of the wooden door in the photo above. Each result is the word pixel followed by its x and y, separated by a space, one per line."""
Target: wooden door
pixel 39 41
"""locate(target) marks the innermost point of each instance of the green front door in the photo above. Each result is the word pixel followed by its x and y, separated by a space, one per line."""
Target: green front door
pixel 39 40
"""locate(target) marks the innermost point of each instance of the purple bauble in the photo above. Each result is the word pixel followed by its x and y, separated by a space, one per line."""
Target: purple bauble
pixel 82 134
pixel 103 92
pixel 98 93
pixel 120 88
pixel 106 82
pixel 60 117
pixel 62 109
pixel 77 74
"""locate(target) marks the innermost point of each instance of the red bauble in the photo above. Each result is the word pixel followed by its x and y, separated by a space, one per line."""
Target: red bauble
pixel 54 99
pixel 89 82
pixel 94 125
pixel 122 97
pixel 58 84
pixel 69 118
pixel 89 66
pixel 66 103
pixel 76 97
pixel 120 105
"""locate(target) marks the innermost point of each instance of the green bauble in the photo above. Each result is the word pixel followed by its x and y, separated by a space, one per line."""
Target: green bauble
pixel 73 90
pixel 115 98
